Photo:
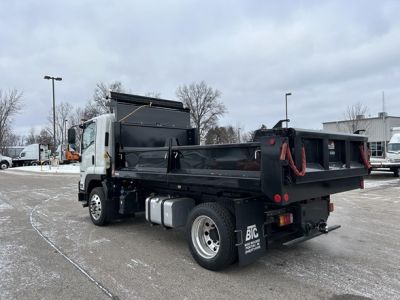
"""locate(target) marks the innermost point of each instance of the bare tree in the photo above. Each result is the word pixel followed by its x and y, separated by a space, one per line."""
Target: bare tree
pixel 31 138
pixel 63 111
pixel 223 135
pixel 203 102
pixel 355 117
pixel 99 103
pixel 44 137
pixel 11 139
pixel 10 105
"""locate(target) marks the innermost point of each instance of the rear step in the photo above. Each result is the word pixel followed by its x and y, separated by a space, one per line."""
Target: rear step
pixel 308 237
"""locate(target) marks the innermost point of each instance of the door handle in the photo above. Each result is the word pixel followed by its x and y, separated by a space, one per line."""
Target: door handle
pixel 92 159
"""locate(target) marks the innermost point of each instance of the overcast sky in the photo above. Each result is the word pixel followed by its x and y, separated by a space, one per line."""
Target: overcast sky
pixel 328 54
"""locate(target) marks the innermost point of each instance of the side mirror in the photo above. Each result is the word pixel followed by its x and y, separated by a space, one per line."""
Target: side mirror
pixel 71 136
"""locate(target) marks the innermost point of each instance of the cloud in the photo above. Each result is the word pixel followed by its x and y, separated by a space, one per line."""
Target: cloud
pixel 328 54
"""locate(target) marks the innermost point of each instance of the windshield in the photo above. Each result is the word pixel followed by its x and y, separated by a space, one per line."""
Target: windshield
pixel 88 137
pixel 394 147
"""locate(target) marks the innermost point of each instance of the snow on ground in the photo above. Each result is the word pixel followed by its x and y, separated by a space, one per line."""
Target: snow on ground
pixel 380 178
pixel 63 169
pixel 378 183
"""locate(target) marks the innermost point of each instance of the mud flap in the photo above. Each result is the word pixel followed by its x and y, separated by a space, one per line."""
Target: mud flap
pixel 250 237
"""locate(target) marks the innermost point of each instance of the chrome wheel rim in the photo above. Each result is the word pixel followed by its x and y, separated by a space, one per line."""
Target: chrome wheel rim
pixel 205 237
pixel 95 207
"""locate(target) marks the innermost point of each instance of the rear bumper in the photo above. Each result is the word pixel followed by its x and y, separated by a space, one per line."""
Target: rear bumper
pixel 385 164
pixel 311 236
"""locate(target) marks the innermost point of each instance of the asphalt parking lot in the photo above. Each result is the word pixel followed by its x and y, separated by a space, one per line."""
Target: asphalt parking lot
pixel 50 250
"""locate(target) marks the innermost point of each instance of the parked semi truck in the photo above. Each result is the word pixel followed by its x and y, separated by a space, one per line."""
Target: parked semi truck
pixel 234 200
pixel 32 155
pixel 392 161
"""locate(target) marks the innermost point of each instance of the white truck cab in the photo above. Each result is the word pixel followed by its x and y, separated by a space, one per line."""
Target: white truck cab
pixel 392 161
pixel 95 147
pixel 393 151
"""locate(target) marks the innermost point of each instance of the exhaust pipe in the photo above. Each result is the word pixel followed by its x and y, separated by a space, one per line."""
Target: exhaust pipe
pixel 323 227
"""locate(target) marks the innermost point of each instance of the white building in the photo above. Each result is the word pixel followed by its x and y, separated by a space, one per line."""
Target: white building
pixel 378 130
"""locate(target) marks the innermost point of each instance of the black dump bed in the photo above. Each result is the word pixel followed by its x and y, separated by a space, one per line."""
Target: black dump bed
pixel 155 143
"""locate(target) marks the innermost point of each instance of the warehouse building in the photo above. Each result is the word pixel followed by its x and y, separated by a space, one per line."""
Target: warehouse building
pixel 378 130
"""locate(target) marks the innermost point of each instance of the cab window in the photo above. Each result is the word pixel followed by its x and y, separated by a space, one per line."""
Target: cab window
pixel 89 136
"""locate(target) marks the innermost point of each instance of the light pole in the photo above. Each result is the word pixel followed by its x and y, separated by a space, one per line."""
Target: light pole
pixel 286 95
pixel 54 107
pixel 65 131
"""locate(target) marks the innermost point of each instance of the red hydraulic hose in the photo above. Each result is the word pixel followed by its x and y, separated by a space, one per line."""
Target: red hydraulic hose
pixel 364 157
pixel 287 154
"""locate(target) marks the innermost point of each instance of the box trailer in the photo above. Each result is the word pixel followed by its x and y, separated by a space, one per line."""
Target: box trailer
pixel 32 155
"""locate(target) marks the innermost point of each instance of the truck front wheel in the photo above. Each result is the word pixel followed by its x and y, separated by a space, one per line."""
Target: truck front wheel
pixel 97 207
pixel 210 234
pixel 4 165
pixel 395 172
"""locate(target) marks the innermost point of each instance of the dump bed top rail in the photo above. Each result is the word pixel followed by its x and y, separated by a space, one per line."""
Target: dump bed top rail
pixel 144 100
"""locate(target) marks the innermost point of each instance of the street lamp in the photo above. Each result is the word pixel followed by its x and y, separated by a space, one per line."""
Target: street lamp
pixel 65 130
pixel 54 107
pixel 286 95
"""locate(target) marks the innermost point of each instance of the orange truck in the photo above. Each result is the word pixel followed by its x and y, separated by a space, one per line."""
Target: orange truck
pixel 66 154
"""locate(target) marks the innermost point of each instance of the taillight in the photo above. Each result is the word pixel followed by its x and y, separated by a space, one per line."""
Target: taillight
pixel 286 197
pixel 277 198
pixel 331 207
pixel 285 219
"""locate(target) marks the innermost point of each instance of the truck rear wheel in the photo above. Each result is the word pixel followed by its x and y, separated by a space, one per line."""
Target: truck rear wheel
pixel 97 207
pixel 210 234
pixel 396 172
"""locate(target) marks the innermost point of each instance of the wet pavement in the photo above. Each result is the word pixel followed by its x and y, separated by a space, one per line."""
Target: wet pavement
pixel 49 249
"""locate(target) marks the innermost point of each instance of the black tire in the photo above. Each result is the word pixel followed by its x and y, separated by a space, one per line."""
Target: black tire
pixel 223 220
pixel 34 163
pixel 396 172
pixel 4 165
pixel 98 209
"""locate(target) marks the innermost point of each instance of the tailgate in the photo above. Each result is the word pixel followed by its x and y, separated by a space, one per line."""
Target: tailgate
pixel 333 163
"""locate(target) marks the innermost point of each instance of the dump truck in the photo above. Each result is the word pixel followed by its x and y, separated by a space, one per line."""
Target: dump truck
pixel 233 200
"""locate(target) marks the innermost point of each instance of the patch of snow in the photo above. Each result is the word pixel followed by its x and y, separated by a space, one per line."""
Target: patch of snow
pixel 4 206
pixel 370 183
pixel 62 169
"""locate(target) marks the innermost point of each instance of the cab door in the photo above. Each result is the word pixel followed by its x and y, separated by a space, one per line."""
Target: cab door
pixel 88 152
